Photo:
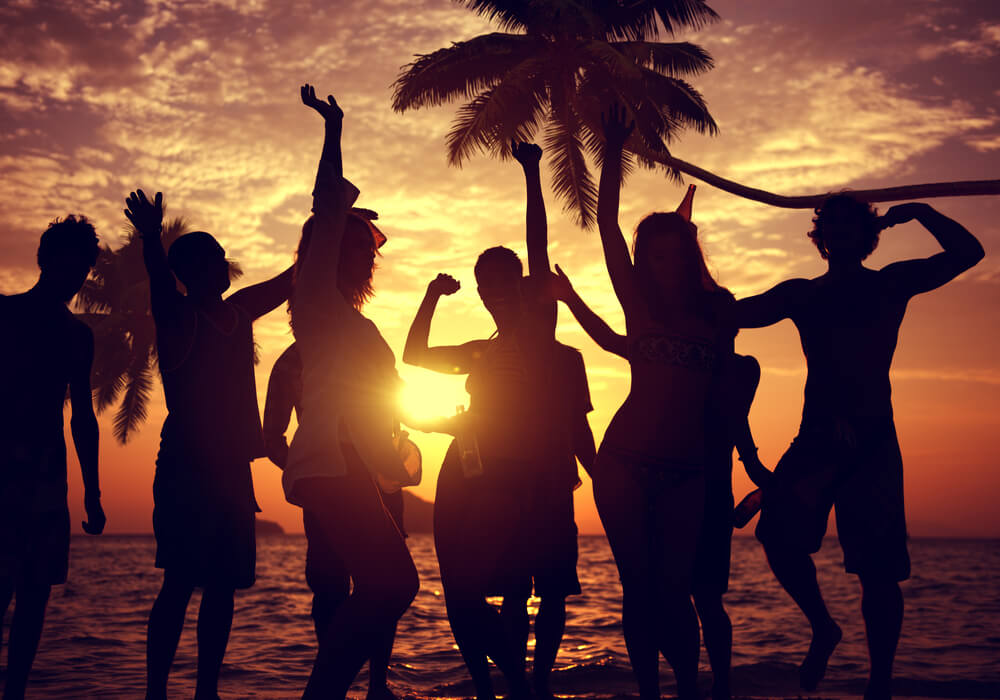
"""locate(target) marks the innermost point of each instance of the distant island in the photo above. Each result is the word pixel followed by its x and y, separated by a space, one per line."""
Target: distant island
pixel 266 528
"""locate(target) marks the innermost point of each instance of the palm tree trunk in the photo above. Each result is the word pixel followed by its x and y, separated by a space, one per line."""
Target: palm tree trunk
pixel 964 188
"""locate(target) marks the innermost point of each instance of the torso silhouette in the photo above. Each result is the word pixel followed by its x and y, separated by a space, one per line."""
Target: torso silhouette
pixel 848 328
pixel 43 342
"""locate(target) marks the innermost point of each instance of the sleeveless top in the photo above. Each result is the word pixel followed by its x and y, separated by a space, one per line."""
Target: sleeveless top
pixel 212 395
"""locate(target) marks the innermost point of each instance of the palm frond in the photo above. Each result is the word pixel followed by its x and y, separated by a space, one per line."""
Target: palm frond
pixel 678 101
pixel 641 19
pixel 511 109
pixel 673 58
pixel 507 14
pixel 571 180
pixel 138 386
pixel 463 70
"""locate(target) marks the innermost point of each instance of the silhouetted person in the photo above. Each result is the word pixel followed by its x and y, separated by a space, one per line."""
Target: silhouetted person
pixel 727 426
pixel 204 506
pixel 326 574
pixel 45 350
pixel 846 453
pixel 527 420
pixel 345 436
pixel 650 474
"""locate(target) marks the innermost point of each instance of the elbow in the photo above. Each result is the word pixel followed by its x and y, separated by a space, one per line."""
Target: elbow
pixel 411 356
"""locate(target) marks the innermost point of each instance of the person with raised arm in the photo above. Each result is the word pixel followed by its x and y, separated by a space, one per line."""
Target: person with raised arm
pixel 46 351
pixel 650 472
pixel 846 453
pixel 204 505
pixel 727 426
pixel 511 471
pixel 344 441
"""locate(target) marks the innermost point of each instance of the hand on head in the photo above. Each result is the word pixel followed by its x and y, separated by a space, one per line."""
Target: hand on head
pixel 527 154
pixel 443 285
pixel 560 286
pixel 617 125
pixel 329 110
pixel 146 216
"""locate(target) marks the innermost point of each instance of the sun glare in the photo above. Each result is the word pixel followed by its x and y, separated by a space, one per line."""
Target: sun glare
pixel 427 395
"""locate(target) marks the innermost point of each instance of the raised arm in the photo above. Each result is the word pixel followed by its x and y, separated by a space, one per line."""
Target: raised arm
pixel 147 217
pixel 264 297
pixel 83 426
pixel 529 156
pixel 316 288
pixel 598 330
pixel 449 359
pixel 616 255
pixel 961 251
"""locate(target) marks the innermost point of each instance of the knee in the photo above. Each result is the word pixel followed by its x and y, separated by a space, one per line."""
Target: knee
pixel 398 593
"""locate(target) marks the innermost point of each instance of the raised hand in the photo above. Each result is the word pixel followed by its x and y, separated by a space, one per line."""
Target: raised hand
pixel 94 525
pixel 146 216
pixel 443 285
pixel 617 127
pixel 901 213
pixel 527 154
pixel 329 110
pixel 560 286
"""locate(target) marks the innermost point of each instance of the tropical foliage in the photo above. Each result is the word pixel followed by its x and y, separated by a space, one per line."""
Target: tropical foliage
pixel 115 304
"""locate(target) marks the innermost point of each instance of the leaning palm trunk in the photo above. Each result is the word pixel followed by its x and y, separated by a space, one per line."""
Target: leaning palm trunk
pixel 963 188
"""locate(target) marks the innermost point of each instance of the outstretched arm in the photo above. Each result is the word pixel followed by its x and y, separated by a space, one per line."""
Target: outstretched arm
pixel 264 297
pixel 766 309
pixel 961 250
pixel 316 285
pixel 595 326
pixel 449 359
pixel 83 426
pixel 147 217
pixel 616 255
pixel 536 227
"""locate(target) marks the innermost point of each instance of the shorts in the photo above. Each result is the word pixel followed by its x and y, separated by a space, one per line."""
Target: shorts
pixel 203 520
pixel 864 482
pixel 712 557
pixel 549 533
pixel 34 547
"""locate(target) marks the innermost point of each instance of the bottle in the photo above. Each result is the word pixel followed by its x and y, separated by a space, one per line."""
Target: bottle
pixel 468 445
pixel 686 204
pixel 747 508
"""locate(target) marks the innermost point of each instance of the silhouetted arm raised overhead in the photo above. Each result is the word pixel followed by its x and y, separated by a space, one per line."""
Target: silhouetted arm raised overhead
pixel 83 426
pixel 147 217
pixel 536 226
pixel 961 250
pixel 316 292
pixel 616 255
pixel 264 297
pixel 447 359
pixel 598 330
pixel 776 304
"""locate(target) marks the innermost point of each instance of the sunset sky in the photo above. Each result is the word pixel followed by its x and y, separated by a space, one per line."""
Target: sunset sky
pixel 200 100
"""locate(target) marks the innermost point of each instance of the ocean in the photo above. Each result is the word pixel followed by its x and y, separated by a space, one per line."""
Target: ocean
pixel 93 645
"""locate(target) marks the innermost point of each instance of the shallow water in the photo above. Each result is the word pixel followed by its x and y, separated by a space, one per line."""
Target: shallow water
pixel 94 640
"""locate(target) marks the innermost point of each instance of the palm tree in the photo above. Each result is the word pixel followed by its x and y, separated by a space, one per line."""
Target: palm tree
pixel 568 59
pixel 561 62
pixel 114 302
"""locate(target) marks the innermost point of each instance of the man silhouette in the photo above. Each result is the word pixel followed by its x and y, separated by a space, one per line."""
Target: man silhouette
pixel 846 453
pixel 204 506
pixel 46 350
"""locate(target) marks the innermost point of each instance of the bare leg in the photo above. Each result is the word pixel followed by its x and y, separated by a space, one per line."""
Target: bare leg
pixel 25 633
pixel 166 621
pixel 643 652
pixel 717 630
pixel 550 623
pixel 378 668
pixel 882 607
pixel 680 640
pixel 797 574
pixel 514 612
pixel 215 620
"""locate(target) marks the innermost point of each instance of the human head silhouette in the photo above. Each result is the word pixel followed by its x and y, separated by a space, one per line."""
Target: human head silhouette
pixel 845 229
pixel 498 273
pixel 200 264
pixel 668 258
pixel 67 251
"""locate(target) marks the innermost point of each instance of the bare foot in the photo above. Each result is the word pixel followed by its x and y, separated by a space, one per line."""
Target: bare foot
pixel 821 648
pixel 380 693
pixel 878 690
